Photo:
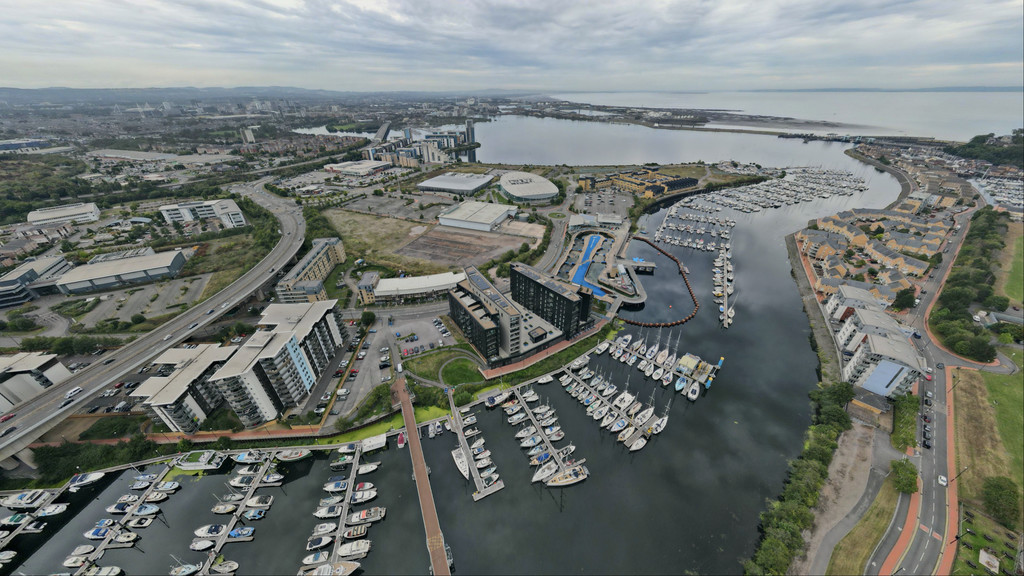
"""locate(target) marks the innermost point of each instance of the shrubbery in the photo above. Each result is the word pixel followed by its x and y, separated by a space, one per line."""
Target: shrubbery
pixel 1001 499
pixel 904 475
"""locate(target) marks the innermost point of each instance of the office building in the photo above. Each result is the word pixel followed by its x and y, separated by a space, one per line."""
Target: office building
pixel 25 375
pixel 224 210
pixel 366 286
pixel 106 273
pixel 278 366
pixel 472 215
pixel 24 283
pixel 305 281
pixel 183 399
pixel 565 306
pixel 72 213
pixel 360 168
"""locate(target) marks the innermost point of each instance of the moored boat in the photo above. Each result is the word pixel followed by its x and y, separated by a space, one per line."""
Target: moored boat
pixel 571 476
pixel 460 462
pixel 293 455
pixel 318 542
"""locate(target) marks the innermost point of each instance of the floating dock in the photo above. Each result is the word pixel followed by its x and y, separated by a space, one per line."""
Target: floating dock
pixel 459 428
pixel 540 432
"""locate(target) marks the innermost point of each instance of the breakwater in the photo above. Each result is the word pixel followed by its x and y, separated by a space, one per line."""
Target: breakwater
pixel 682 272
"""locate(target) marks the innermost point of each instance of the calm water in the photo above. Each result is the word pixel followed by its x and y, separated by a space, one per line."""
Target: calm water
pixel 953 115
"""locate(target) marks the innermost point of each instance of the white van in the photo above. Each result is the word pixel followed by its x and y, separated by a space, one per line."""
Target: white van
pixel 73 392
pixel 399 367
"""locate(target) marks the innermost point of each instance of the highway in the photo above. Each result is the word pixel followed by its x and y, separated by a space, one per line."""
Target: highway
pixel 35 417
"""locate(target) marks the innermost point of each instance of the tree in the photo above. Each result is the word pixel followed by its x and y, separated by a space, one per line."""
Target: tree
pixel 905 476
pixel 184 445
pixel 904 299
pixel 367 318
pixel 524 248
pixel 1001 499
pixel 138 318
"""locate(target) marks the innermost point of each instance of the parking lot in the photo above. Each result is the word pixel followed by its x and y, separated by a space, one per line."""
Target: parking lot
pixel 605 201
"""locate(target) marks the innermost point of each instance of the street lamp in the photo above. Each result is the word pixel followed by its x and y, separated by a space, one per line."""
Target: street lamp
pixel 961 473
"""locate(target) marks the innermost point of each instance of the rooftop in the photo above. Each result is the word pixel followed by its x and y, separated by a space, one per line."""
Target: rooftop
pixel 487 290
pixel 457 182
pixel 122 266
pixel 526 185
pixel 481 212
pixel 189 364
pixel 417 284
pixel 899 350
pixel 561 288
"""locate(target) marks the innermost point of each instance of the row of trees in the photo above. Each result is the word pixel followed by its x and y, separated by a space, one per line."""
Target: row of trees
pixel 786 519
pixel 69 344
pixel 524 255
pixel 971 281
pixel 998 154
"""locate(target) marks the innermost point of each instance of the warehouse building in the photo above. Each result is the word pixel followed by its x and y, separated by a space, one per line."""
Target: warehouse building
pixel 526 187
pixel 24 283
pixel 376 290
pixel 472 215
pixel 361 168
pixel 305 281
pixel 456 183
pixel 107 274
pixel 186 397
pixel 25 375
pixel 224 210
pixel 75 213
pixel 278 366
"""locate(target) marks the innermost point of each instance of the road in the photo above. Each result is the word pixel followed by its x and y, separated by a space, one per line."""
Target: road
pixel 41 413
pixel 930 526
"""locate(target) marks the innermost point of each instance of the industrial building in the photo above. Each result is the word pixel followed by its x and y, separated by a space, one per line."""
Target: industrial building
pixel 186 397
pixel 278 366
pixel 224 210
pixel 361 168
pixel 25 375
pixel 456 183
pixel 472 215
pixel 565 306
pixel 106 274
pixel 305 281
pixel 75 213
pixel 527 188
pixel 375 290
pixel 28 280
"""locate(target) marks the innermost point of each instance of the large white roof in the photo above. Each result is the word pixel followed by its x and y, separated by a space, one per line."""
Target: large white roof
pixel 418 284
pixel 122 266
pixel 479 212
pixel 528 186
pixel 457 182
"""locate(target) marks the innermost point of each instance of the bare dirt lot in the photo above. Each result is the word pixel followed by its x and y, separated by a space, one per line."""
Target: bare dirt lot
pixel 378 240
pixel 458 247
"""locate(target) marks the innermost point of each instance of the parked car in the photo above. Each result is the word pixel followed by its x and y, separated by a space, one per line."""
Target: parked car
pixel 942 480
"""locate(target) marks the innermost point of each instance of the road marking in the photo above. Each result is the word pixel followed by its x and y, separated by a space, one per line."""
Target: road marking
pixel 925 528
pixel 936 535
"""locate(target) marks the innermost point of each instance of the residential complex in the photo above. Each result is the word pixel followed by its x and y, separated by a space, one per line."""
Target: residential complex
pixel 183 399
pixel 79 212
pixel 647 183
pixel 277 367
pixel 305 281
pixel 565 306
pixel 26 374
pixel 488 318
pixel 224 210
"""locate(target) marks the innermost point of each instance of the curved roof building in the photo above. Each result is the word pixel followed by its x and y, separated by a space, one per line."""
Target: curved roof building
pixel 526 187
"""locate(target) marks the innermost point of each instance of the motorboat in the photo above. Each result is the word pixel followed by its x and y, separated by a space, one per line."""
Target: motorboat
pixel 482 455
pixel 488 471
pixel 224 567
pixel 140 485
pixel 224 508
pixel 681 383
pixel 147 510
pixel 105 522
pixel 667 378
pixel 369 515
pixel 649 371
pixel 357 531
pixel 478 444
pixel 471 419
pixel 550 430
pixel 128 499
pixel 154 497
pixel 618 425
pixel 241 481
pixel 497 399
pixel 316 558
pixel 166 486
pixel 545 379
pixel 510 403
pixel 209 531
pixel 471 432
pixel 140 522
pixel 638 443
pixel 356 548
pixel 626 433
pixel 147 477
pixel 318 542
pixel 331 500
pixel 602 347
pixel 201 545
pixel 262 501
pixel 481 464
pixel 34 527
pixel 324 528
pixel 339 486
pixel 343 568
pixel 548 421
pixel 658 374
pixel 348 448
pixel 83 550
pixel 460 462
pixel 126 537
pixel 249 457
pixel 558 435
pixel 293 455
pixel 79 481
pixel 343 459
pixel 232 497
pixel 273 477
pixel 121 508
pixel 642 365
pixel 364 486
pixel 514 409
pixel 51 510
pixel 367 468
pixel 250 470
pixel 489 480
pixel 571 476
pixel 546 471
pixel 255 514
pixel 693 392
pixel 185 569
pixel 242 532
pixel 517 418
pixel 328 512
pixel 74 561
pixel 362 496
pixel 97 533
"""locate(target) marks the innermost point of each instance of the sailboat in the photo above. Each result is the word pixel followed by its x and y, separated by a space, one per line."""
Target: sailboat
pixel 663 354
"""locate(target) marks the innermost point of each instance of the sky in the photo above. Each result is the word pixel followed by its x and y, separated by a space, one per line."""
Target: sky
pixel 442 45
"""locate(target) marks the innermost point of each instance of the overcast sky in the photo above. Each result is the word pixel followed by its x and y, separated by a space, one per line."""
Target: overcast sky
pixel 364 45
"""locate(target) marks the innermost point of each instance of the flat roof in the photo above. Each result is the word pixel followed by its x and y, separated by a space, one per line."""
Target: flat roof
pixel 257 346
pixel 457 182
pixel 24 361
pixel 527 185
pixel 39 265
pixel 418 284
pixel 491 294
pixel 189 366
pixel 897 349
pixel 562 289
pixel 65 211
pixel 479 212
pixel 122 266
pixel 297 318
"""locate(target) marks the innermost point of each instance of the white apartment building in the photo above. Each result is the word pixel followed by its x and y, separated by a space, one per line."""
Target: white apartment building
pixel 224 209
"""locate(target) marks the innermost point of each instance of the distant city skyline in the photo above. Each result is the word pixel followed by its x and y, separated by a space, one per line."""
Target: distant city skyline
pixel 383 45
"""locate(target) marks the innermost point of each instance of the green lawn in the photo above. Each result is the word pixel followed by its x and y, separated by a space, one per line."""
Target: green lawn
pixel 1006 394
pixel 428 365
pixel 424 413
pixel 1015 281
pixel 905 422
pixel 980 525
pixel 460 371
pixel 851 554
pixel 112 427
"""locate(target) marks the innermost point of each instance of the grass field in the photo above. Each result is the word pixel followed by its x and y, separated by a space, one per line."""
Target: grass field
pixel 905 413
pixel 1012 261
pixel 112 427
pixel 425 413
pixel 981 525
pixel 428 365
pixel 684 170
pixel 227 258
pixel 460 371
pixel 376 239
pixel 851 554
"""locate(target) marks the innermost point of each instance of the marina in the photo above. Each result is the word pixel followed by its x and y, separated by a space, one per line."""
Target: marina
pixel 459 427
pixel 560 465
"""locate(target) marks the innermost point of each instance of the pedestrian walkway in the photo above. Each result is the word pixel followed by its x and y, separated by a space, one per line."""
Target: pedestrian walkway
pixel 431 524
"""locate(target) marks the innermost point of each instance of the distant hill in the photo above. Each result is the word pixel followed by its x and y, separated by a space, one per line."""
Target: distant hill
pixel 980 148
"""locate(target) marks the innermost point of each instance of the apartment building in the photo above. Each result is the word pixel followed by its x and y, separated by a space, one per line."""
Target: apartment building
pixel 565 306
pixel 183 399
pixel 304 282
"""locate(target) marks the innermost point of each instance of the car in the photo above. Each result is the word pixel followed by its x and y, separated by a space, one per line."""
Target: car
pixel 236 339
pixel 92 410
pixel 917 335
pixel 343 392
pixel 926 418
pixel 926 428
pixel 335 411
pixel 927 444
pixel 8 430
pixel 344 363
pixel 130 385
pixel 943 481
pixel 929 394
pixel 119 384
pixel 373 331
pixel 108 361
pixel 193 325
pixel 319 410
pixel 927 401
pixel 210 311
pixel 352 376
pixel 384 349
pixel 114 392
pixel 7 416
pixel 940 365
pixel 384 365
pixel 924 291
pixel 945 251
pixel 385 378
pixel 928 377
pixel 66 402
pixel 929 370
pixel 326 397
pixel 224 305
pixel 976 318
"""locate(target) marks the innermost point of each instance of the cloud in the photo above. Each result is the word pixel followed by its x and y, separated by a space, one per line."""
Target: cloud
pixel 537 45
